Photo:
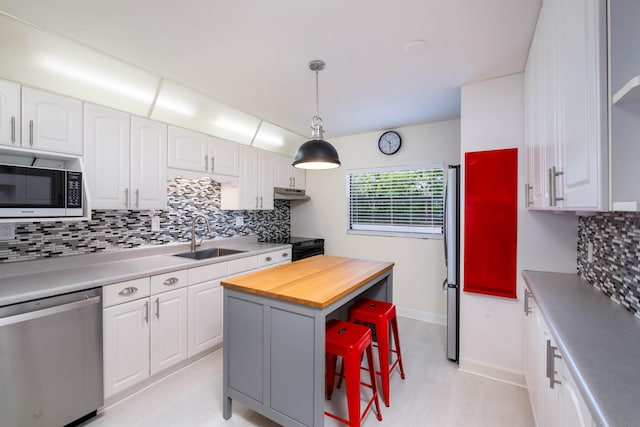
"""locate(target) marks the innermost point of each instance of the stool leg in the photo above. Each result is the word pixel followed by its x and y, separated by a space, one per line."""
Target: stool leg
pixel 396 339
pixel 382 334
pixel 330 373
pixel 372 376
pixel 352 378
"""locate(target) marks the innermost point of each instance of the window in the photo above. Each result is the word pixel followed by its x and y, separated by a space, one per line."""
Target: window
pixel 405 201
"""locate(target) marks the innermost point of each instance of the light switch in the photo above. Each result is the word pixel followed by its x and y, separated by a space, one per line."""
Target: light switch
pixel 155 223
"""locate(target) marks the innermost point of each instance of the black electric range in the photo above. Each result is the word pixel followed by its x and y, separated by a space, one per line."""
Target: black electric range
pixel 302 247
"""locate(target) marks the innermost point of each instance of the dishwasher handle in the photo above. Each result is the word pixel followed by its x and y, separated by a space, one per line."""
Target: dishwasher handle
pixel 23 317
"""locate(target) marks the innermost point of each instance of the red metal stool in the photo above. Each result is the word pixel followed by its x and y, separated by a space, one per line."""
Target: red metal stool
pixel 381 315
pixel 350 341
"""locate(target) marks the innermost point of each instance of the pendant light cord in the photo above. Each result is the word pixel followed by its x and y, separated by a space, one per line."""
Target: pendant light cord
pixel 317 97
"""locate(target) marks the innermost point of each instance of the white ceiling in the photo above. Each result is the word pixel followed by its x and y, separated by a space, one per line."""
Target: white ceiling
pixel 253 54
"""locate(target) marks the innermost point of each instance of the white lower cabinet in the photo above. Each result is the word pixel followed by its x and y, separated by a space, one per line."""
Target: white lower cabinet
pixel 205 316
pixel 126 345
pixel 168 329
pixel 555 399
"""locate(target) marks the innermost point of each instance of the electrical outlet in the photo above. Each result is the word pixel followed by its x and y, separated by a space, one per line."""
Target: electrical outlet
pixel 8 231
pixel 239 220
pixel 155 223
pixel 590 252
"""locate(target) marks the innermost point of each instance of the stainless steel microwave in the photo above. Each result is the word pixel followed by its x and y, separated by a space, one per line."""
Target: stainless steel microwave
pixel 28 191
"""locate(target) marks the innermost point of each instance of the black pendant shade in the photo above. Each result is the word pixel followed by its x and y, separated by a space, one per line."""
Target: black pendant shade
pixel 316 154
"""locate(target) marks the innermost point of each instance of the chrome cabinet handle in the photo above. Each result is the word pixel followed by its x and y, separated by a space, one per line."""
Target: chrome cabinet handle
pixel 553 198
pixel 13 129
pixel 260 202
pixel 30 132
pixel 527 195
pixel 137 198
pixel 157 308
pixel 285 255
pixel 551 368
pixel 212 163
pixel 171 281
pixel 146 311
pixel 527 309
pixel 268 259
pixel 128 291
pixel 126 198
pixel 206 162
pixel 257 202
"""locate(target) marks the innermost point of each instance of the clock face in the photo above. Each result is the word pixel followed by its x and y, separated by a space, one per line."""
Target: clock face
pixel 389 142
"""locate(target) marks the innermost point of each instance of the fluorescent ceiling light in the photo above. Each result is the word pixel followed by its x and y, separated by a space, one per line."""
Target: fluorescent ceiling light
pixel 94 78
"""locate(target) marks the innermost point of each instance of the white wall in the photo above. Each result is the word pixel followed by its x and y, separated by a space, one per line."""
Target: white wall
pixel 491 327
pixel 419 269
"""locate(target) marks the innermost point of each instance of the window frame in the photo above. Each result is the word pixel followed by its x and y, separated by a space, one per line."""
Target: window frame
pixel 394 230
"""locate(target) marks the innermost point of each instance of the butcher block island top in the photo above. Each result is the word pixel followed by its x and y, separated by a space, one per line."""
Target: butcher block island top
pixel 316 282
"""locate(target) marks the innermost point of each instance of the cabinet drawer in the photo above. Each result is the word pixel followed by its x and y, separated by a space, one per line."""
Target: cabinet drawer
pixel 275 257
pixel 243 264
pixel 125 291
pixel 169 281
pixel 207 272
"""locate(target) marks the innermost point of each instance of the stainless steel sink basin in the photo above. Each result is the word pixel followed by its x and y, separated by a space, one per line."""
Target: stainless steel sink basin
pixel 209 253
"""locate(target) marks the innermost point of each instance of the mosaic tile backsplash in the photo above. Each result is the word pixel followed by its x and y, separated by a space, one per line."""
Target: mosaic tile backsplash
pixel 615 268
pixel 126 229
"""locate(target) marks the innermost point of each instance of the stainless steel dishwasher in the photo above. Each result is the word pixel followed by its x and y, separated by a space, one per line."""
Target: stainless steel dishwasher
pixel 51 360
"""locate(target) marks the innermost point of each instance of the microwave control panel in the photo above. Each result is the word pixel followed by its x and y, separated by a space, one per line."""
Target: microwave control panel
pixel 74 189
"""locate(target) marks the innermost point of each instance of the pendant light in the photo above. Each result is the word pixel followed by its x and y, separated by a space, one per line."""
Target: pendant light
pixel 316 153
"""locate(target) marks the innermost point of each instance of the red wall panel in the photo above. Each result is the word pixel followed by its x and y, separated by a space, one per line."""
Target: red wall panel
pixel 490 222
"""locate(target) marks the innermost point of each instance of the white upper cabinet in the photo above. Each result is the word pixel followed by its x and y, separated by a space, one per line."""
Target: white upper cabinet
pixel 254 190
pixel 107 156
pixel 287 176
pixel 125 160
pixel 148 164
pixel 51 122
pixel 194 151
pixel 566 108
pixel 9 113
pixel 187 149
pixel 223 156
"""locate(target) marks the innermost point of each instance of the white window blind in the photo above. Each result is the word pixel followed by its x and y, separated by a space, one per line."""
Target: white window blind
pixel 399 201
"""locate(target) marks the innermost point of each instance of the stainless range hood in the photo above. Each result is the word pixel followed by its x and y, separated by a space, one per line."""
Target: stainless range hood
pixel 289 194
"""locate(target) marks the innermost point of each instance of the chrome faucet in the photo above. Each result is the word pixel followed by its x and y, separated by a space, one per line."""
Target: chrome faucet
pixel 193 230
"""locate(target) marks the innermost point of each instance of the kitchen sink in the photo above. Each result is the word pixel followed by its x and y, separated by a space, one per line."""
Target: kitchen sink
pixel 209 253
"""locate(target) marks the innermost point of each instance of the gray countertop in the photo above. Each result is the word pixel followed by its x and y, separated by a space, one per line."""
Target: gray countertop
pixel 599 341
pixel 29 280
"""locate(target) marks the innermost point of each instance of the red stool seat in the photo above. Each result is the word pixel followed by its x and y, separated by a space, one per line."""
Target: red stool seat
pixel 350 341
pixel 381 315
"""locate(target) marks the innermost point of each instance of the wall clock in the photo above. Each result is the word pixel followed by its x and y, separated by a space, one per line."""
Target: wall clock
pixel 389 142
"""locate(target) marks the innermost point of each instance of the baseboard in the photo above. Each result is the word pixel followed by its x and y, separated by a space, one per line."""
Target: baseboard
pixel 422 315
pixel 493 372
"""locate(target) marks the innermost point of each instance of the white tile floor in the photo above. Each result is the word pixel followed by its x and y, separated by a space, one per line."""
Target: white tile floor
pixel 434 393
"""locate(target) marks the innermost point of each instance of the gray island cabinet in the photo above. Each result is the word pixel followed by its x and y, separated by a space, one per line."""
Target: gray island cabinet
pixel 274 332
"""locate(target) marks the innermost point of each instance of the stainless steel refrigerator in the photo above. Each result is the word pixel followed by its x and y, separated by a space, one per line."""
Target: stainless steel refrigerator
pixel 451 239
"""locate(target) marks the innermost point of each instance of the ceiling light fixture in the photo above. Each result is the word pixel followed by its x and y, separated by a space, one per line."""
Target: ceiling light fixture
pixel 316 153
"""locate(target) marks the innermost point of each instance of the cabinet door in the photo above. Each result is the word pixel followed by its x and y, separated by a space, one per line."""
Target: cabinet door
pixel 107 150
pixel 248 178
pixel 168 329
pixel 9 113
pixel 299 177
pixel 582 112
pixel 266 161
pixel 188 150
pixel 282 172
pixel 126 345
pixel 51 122
pixel 205 316
pixel 573 409
pixel 148 164
pixel 223 157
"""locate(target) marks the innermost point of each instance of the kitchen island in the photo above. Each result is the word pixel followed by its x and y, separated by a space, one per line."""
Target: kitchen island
pixel 274 332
